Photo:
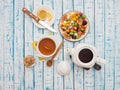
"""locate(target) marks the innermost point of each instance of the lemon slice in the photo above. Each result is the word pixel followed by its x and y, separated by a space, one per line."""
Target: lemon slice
pixel 42 14
pixel 34 44
pixel 41 59
pixel 49 16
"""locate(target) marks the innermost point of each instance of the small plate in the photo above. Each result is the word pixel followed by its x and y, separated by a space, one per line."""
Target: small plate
pixel 46 8
pixel 62 32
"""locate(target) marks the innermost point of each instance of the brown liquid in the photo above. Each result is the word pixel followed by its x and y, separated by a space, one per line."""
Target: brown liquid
pixel 85 55
pixel 47 46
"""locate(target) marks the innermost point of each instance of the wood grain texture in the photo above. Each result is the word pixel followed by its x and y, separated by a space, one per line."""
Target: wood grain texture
pixel 99 42
pixel 2 46
pixel 18 45
pixel 78 71
pixel 68 80
pixel 48 71
pixel 39 69
pixel 109 44
pixel 58 79
pixel 17 32
pixel 117 45
pixel 8 44
pixel 29 36
pixel 89 39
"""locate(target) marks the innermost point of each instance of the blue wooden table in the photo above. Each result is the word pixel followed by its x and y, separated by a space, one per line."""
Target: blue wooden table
pixel 17 32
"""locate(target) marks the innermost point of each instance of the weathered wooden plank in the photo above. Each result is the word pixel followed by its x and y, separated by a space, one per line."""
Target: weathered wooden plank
pixel 18 45
pixel 29 36
pixel 89 39
pixel 99 42
pixel 39 73
pixel 109 44
pixel 8 45
pixel 117 45
pixel 1 43
pixel 68 80
pixel 48 71
pixel 78 72
pixel 58 79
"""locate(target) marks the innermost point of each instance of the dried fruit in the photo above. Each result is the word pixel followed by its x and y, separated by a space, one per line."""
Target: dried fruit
pixel 84 22
pixel 29 60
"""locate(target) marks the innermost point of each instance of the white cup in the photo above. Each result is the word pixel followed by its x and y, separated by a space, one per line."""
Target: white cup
pixel 40 54
pixel 74 52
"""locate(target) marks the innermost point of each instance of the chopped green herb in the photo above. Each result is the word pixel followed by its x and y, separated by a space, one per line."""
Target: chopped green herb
pixel 68 20
pixel 78 36
pixel 82 29
pixel 83 16
pixel 79 16
pixel 72 24
pixel 71 33
pixel 74 31
pixel 75 24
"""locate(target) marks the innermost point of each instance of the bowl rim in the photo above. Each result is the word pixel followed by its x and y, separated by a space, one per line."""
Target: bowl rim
pixel 42 55
pixel 50 10
pixel 83 36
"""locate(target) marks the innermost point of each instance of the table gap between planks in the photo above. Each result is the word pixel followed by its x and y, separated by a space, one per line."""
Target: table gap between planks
pixel 17 32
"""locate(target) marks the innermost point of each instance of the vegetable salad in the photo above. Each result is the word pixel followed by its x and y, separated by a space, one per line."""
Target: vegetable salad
pixel 73 25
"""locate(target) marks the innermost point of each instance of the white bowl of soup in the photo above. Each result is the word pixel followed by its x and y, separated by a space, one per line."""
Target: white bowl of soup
pixel 46 46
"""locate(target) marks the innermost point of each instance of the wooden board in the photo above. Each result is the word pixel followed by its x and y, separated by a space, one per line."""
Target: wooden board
pixel 8 45
pixel 29 36
pixel 68 80
pixel 17 32
pixel 117 46
pixel 19 45
pixel 99 42
pixel 1 48
pixel 48 71
pixel 39 69
pixel 78 71
pixel 58 79
pixel 109 44
pixel 89 39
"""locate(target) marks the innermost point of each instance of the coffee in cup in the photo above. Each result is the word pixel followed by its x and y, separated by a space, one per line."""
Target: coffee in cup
pixel 85 55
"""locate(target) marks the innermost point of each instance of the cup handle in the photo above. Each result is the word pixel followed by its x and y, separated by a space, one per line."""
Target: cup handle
pixel 97 66
pixel 101 60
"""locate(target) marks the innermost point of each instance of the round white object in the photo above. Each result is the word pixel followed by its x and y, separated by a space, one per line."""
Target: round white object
pixel 46 8
pixel 63 68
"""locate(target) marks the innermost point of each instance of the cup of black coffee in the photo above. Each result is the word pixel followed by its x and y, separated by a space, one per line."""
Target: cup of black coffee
pixel 85 56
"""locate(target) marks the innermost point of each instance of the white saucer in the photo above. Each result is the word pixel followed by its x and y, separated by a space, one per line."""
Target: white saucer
pixel 47 8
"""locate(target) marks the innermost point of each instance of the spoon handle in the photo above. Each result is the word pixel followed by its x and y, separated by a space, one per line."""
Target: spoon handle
pixel 58 49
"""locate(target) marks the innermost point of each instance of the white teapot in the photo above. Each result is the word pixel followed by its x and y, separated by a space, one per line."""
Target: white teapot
pixel 85 56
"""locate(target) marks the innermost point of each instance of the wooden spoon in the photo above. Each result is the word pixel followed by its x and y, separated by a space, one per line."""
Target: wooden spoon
pixel 49 62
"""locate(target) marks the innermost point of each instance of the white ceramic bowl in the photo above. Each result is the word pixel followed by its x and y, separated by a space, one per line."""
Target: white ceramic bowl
pixel 42 55
pixel 73 40
pixel 47 8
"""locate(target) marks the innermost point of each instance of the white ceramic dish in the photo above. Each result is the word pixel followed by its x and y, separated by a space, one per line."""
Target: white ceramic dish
pixel 37 48
pixel 42 36
pixel 47 8
pixel 61 31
